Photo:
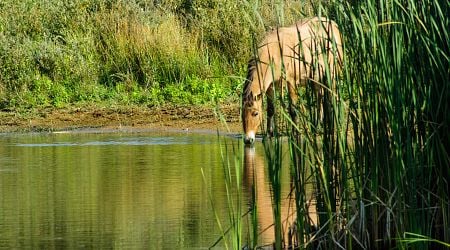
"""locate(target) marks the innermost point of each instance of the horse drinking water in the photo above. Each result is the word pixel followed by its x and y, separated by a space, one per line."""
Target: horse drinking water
pixel 286 58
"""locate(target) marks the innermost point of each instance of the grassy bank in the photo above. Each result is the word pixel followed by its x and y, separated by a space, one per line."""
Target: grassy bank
pixel 54 53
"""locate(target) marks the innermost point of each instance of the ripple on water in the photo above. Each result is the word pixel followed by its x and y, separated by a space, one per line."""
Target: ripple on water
pixel 121 141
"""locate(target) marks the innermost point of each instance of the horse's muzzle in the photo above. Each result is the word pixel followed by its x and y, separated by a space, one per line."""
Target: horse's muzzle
pixel 249 138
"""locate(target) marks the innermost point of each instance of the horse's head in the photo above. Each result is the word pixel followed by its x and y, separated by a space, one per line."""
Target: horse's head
pixel 251 103
pixel 251 117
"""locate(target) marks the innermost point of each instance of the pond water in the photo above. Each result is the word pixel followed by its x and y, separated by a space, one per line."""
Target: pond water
pixel 114 190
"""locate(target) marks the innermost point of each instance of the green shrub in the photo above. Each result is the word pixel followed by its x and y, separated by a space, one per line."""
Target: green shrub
pixel 88 47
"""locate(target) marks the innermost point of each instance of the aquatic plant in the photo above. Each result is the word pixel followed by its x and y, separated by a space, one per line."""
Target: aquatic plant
pixel 378 154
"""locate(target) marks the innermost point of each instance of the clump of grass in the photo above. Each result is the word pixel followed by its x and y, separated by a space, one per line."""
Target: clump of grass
pixel 379 154
pixel 396 104
pixel 373 158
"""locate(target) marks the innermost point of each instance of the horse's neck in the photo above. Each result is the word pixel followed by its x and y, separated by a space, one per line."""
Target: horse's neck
pixel 262 80
pixel 257 87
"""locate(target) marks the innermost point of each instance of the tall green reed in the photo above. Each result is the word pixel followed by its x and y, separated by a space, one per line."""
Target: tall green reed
pixel 398 107
pixel 379 152
pixel 273 148
pixel 374 163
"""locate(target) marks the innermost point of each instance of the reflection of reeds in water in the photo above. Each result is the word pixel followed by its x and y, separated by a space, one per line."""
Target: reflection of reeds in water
pixel 232 234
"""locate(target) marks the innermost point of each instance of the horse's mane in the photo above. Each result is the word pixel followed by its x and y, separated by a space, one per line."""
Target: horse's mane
pixel 247 95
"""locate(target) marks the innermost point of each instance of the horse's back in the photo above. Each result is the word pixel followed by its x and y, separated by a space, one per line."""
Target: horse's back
pixel 295 48
pixel 303 29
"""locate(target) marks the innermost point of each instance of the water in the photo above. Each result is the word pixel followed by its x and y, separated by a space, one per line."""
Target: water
pixel 114 190
pixel 108 190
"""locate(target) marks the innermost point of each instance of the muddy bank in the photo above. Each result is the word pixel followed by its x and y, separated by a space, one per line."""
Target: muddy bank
pixel 186 118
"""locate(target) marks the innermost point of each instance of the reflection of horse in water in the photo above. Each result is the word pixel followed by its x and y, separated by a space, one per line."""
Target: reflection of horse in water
pixel 255 177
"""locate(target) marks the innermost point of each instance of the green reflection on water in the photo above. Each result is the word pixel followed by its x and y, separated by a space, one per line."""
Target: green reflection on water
pixel 109 191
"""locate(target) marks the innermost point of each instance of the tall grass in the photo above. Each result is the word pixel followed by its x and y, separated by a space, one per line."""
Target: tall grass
pixel 398 114
pixel 379 154
pixel 381 158
pixel 143 52
pixel 139 51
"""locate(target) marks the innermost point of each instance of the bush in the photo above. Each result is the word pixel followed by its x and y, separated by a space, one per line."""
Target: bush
pixel 85 48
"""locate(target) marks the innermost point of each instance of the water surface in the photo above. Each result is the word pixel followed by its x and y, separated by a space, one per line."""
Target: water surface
pixel 120 190
pixel 109 190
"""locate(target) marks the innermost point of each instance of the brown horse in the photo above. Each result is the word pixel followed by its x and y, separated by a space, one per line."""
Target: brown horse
pixel 289 57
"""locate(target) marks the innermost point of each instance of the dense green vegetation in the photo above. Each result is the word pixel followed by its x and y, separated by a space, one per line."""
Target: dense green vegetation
pixel 379 155
pixel 144 52
pixel 132 52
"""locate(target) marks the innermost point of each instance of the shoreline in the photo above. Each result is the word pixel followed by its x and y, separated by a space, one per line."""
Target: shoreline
pixel 110 118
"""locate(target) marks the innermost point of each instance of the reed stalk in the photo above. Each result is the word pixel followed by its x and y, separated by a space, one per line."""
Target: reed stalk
pixel 233 183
